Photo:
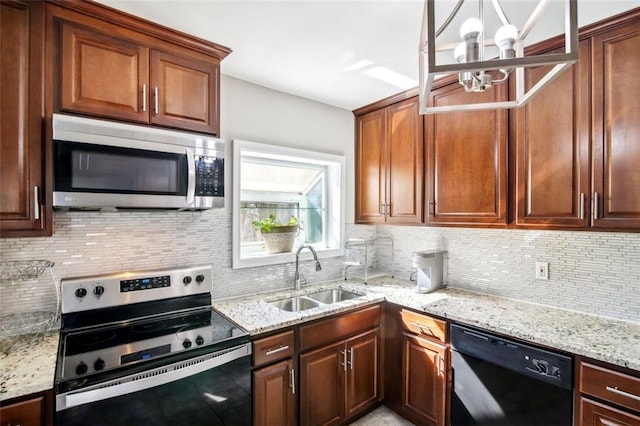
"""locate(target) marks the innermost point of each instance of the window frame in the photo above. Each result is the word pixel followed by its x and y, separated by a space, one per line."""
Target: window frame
pixel 335 201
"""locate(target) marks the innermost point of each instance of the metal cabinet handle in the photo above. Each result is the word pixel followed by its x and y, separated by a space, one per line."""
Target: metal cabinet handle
pixel 156 100
pixel 440 368
pixel 350 362
pixel 596 205
pixel 622 393
pixel 344 360
pixel 276 350
pixel 292 381
pixel 582 198
pixel 36 203
pixel 144 97
pixel 423 327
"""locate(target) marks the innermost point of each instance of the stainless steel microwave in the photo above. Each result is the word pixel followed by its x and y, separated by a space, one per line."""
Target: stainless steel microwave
pixel 103 165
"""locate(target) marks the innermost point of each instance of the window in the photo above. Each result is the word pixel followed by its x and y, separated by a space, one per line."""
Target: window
pixel 287 183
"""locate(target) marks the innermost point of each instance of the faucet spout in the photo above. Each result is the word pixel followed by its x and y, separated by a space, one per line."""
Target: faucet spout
pixel 315 257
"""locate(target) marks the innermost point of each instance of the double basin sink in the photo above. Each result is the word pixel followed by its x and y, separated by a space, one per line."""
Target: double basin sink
pixel 313 300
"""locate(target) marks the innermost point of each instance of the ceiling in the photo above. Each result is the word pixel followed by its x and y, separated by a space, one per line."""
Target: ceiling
pixel 339 52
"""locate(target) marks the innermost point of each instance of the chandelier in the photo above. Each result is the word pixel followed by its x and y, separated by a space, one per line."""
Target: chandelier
pixel 482 62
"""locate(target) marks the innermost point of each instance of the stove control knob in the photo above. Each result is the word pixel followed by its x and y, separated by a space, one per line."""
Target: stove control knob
pixel 199 278
pixel 199 340
pixel 81 292
pixel 99 364
pixel 98 291
pixel 186 344
pixel 187 280
pixel 81 368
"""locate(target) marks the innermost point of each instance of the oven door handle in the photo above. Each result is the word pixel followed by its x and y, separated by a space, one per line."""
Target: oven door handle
pixel 148 379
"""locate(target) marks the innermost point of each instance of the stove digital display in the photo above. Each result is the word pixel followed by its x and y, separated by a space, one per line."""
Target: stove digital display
pixel 145 354
pixel 145 283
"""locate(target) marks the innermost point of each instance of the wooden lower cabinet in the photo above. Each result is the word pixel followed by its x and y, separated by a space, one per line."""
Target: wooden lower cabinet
pixel 339 380
pixel 593 413
pixel 416 369
pixel 25 413
pixel 424 379
pixel 274 397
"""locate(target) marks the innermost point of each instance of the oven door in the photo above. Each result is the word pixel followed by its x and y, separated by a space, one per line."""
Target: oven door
pixel 211 389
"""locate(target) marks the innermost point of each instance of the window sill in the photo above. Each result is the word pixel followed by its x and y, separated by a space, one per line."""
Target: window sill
pixel 266 259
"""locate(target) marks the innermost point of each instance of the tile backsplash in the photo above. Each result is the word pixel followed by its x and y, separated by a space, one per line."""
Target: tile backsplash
pixel 597 273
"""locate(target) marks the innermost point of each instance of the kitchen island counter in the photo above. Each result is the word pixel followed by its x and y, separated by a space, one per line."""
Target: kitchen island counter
pixel 613 341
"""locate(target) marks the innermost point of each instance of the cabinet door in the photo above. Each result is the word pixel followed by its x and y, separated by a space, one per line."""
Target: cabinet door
pixel 424 378
pixel 26 413
pixel 22 156
pixel 322 385
pixel 103 75
pixel 405 161
pixel 362 372
pixel 371 159
pixel 616 127
pixel 467 163
pixel 552 149
pixel 596 414
pixel 185 92
pixel 274 395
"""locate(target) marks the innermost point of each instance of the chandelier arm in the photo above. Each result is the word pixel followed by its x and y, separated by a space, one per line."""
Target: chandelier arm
pixel 500 12
pixel 452 15
pixel 542 5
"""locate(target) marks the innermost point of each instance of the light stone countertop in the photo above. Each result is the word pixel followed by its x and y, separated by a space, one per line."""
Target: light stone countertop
pixel 612 341
pixel 28 370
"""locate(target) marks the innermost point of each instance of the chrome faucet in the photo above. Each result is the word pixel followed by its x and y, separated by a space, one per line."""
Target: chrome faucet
pixel 315 257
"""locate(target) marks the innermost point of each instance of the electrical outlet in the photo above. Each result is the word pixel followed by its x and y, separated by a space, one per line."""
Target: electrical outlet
pixel 542 270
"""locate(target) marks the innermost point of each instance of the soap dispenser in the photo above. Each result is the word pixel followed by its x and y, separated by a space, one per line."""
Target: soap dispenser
pixel 429 264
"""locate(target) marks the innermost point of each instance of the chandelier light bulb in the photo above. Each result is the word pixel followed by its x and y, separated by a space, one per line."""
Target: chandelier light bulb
pixel 505 38
pixel 460 52
pixel 470 29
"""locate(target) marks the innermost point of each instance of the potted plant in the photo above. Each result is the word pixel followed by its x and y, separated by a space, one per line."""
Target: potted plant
pixel 278 238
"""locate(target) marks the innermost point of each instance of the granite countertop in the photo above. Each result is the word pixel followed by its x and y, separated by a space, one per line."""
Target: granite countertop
pixel 28 367
pixel 612 341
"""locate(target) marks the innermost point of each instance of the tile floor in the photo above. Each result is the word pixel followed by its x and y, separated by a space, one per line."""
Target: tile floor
pixel 381 416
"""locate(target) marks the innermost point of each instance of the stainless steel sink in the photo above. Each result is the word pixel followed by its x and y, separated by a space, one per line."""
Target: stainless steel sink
pixel 295 304
pixel 333 296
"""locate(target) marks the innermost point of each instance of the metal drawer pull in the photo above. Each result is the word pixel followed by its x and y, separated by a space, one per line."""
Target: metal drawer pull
pixel 596 205
pixel 36 203
pixel 423 328
pixel 582 197
pixel 144 97
pixel 292 381
pixel 344 360
pixel 440 369
pixel 276 350
pixel 350 362
pixel 622 393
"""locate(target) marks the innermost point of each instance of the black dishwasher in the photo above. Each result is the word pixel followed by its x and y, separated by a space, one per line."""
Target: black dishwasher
pixel 500 382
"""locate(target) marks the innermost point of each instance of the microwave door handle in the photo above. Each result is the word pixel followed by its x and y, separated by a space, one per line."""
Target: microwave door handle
pixel 191 181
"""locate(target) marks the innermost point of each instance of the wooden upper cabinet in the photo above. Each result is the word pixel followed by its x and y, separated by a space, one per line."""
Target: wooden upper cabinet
pixel 389 164
pixel 466 160
pixel 25 207
pixel 103 75
pixel 552 140
pixel 183 92
pixel 616 127
pixel 111 71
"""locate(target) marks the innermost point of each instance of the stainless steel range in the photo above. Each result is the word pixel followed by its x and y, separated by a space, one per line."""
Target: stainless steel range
pixel 146 347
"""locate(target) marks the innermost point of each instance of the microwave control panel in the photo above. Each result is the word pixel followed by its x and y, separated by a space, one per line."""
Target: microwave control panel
pixel 209 177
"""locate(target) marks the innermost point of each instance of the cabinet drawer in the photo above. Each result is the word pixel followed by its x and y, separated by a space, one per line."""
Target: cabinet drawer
pixel 424 326
pixel 272 348
pixel 340 327
pixel 593 413
pixel 619 388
